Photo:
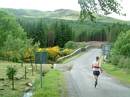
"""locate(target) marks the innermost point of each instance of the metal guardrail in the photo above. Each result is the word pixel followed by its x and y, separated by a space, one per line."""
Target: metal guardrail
pixel 74 53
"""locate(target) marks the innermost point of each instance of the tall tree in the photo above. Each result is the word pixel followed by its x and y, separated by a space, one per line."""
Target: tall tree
pixel 63 33
pixel 12 36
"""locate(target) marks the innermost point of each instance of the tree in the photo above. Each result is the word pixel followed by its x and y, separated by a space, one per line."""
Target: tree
pixel 122 44
pixel 13 38
pixel 63 33
pixel 11 72
pixel 105 7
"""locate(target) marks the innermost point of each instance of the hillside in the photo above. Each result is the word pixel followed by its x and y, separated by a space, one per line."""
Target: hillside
pixel 60 13
pixel 66 14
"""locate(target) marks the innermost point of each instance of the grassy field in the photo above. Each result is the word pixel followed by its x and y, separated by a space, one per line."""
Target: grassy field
pixel 20 85
pixel 118 73
pixel 53 85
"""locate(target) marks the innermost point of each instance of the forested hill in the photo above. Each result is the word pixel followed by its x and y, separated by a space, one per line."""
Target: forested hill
pixel 60 26
pixel 60 13
pixel 66 14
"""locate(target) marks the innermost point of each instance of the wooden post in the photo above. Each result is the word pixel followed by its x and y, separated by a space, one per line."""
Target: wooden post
pixel 31 64
pixel 12 81
pixel 41 74
pixel 25 72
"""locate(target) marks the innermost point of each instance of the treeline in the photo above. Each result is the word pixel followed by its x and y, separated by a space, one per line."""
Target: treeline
pixel 107 33
pixel 47 34
pixel 50 32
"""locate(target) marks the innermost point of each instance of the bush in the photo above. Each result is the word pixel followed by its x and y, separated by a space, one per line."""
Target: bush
pixel 53 53
pixel 115 59
pixel 71 45
pixel 75 45
pixel 66 52
pixel 121 62
pixel 119 47
pixel 11 72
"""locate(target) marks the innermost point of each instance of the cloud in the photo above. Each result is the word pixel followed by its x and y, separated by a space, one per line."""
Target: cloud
pixel 41 4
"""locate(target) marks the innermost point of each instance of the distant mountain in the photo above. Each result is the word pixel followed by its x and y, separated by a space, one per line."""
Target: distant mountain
pixel 66 14
pixel 60 13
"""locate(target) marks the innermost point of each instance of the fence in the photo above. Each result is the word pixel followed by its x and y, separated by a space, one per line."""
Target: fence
pixel 74 53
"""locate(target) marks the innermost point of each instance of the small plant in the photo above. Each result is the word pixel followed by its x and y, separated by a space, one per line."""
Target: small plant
pixel 11 72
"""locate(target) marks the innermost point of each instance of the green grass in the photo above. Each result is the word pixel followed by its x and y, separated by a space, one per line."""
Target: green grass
pixel 20 85
pixel 53 85
pixel 118 73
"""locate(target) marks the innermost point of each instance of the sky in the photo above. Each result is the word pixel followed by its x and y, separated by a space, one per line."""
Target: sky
pixel 50 5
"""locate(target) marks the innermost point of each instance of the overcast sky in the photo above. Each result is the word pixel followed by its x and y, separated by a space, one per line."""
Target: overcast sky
pixel 50 5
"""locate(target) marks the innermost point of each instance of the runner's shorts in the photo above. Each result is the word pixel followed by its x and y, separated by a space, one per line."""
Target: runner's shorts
pixel 96 73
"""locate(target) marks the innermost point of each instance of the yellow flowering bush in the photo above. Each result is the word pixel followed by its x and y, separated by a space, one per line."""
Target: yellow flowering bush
pixel 27 54
pixel 53 52
pixel 41 49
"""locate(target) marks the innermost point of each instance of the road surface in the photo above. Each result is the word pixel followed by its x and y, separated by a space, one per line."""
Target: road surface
pixel 81 82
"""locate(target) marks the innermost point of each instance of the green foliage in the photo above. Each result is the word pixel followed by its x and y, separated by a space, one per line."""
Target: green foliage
pixel 124 63
pixel 11 72
pixel 71 45
pixel 91 7
pixel 58 31
pixel 13 39
pixel 115 59
pixel 66 52
pixel 122 44
pixel 63 33
pixel 120 54
pixel 74 45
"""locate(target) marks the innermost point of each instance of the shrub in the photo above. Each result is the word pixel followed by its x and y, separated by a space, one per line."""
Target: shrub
pixel 127 63
pixel 121 62
pixel 75 45
pixel 115 59
pixel 66 51
pixel 28 54
pixel 41 49
pixel 119 47
pixel 53 52
pixel 11 72
pixel 71 45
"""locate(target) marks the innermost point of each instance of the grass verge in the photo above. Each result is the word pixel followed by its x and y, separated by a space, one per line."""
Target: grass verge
pixel 118 73
pixel 53 85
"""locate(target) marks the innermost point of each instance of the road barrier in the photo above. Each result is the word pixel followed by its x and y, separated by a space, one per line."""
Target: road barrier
pixel 75 53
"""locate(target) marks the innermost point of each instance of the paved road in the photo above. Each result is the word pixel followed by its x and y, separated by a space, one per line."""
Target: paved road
pixel 81 82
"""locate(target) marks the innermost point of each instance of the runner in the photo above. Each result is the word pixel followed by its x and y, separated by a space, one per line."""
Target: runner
pixel 96 70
